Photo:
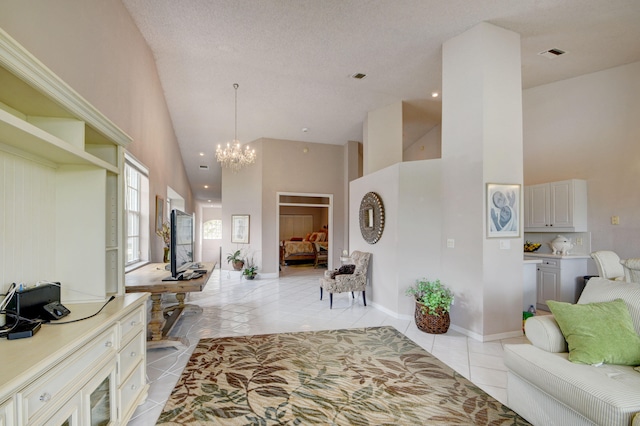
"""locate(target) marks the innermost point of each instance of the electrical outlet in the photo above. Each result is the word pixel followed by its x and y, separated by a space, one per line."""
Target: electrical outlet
pixel 615 220
pixel 451 243
pixel 579 241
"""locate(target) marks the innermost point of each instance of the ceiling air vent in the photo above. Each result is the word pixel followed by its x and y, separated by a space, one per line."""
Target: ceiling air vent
pixel 552 53
pixel 204 167
pixel 358 76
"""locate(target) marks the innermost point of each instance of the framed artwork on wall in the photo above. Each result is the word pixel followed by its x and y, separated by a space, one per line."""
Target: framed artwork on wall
pixel 503 210
pixel 159 213
pixel 240 228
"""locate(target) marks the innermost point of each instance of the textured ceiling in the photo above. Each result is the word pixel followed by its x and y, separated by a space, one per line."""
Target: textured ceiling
pixel 293 60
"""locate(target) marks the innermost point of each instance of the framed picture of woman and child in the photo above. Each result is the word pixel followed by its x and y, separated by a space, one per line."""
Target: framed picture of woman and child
pixel 503 210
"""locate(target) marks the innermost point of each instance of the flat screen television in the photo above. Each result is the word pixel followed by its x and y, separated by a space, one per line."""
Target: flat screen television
pixel 182 243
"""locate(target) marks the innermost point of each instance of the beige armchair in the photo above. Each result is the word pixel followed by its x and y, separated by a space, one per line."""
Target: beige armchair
pixel 348 282
pixel 608 264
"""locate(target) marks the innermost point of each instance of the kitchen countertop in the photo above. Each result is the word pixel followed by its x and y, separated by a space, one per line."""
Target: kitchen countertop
pixel 557 256
pixel 532 260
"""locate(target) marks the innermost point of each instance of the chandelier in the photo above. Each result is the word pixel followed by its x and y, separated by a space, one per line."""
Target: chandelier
pixel 233 156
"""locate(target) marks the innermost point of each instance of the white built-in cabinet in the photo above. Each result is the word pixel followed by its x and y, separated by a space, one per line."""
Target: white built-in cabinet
pixel 560 279
pixel 85 373
pixel 62 163
pixel 556 206
pixel 62 219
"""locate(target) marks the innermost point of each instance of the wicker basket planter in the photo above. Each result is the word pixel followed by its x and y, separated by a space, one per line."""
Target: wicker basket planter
pixel 433 324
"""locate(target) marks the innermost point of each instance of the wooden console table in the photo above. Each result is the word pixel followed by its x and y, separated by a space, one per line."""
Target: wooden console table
pixel 148 279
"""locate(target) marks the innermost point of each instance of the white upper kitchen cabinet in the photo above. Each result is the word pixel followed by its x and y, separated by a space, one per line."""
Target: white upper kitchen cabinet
pixel 556 206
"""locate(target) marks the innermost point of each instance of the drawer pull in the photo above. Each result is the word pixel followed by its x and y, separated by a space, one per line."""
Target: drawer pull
pixel 45 397
pixel 132 354
pixel 133 323
pixel 133 387
pixel 108 344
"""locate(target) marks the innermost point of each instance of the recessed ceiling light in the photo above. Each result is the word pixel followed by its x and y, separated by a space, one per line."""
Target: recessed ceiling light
pixel 358 76
pixel 203 167
pixel 434 94
pixel 206 186
pixel 305 129
pixel 202 154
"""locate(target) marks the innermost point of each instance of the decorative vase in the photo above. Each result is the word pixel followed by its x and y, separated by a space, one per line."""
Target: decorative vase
pixel 433 324
pixel 237 264
pixel 165 259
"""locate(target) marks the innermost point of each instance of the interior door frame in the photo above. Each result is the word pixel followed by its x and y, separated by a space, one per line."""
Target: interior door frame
pixel 329 216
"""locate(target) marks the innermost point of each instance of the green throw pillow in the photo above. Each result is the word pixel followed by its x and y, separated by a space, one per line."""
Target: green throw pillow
pixel 600 332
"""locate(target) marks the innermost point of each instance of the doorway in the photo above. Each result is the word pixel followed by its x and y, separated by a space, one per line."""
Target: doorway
pixel 303 211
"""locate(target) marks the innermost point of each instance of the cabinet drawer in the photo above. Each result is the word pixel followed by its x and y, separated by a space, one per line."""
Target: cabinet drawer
pixel 131 355
pixel 550 263
pixel 131 324
pixel 69 414
pixel 48 389
pixel 129 392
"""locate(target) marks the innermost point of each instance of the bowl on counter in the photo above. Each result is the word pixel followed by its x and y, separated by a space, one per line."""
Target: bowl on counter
pixel 530 247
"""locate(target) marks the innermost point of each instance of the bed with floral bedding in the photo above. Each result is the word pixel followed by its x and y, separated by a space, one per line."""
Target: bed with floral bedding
pixel 301 249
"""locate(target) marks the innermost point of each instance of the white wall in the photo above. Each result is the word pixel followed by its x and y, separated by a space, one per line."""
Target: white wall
pixel 410 245
pixel 588 127
pixel 242 195
pixel 382 140
pixel 427 147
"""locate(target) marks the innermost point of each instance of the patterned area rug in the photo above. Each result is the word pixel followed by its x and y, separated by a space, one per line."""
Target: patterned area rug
pixel 367 376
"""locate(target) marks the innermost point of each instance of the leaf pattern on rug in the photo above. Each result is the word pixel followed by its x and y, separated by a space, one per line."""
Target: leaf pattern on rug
pixel 360 377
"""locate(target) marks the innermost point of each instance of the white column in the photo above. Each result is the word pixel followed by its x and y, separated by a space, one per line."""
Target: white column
pixel 481 143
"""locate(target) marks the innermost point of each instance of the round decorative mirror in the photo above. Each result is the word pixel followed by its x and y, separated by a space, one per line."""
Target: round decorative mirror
pixel 371 217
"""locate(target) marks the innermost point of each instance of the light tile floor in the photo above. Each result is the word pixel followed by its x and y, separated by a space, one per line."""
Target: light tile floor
pixel 235 307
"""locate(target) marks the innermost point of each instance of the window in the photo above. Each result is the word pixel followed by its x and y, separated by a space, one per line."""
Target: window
pixel 136 211
pixel 212 229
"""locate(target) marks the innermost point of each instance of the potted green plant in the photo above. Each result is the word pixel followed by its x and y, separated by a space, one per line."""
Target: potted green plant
pixel 433 303
pixel 235 259
pixel 250 270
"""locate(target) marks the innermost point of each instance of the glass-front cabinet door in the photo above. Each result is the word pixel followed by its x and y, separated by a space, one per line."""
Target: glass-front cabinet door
pixel 68 415
pixel 100 398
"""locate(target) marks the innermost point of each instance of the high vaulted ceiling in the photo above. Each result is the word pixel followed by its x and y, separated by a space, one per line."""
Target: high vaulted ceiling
pixel 294 59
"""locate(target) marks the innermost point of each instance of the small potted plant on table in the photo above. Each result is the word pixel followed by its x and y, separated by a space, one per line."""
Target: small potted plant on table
pixel 235 259
pixel 433 302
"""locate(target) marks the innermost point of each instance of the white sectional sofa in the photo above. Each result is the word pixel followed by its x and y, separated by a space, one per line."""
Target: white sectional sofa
pixel 547 389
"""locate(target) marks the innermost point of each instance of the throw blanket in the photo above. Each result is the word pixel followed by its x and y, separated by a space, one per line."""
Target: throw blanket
pixel 368 376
